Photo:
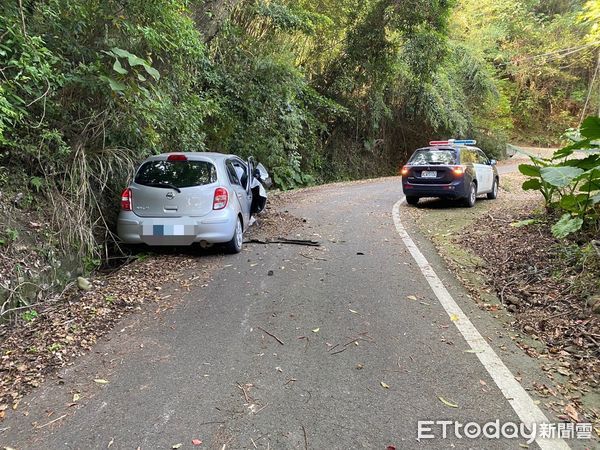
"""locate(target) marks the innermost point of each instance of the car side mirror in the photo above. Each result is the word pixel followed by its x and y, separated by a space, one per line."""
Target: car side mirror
pixel 493 162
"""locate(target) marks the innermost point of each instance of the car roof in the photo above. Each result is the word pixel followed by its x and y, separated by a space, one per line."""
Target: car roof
pixel 455 148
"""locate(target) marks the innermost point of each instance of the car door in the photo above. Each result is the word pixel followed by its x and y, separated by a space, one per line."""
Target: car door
pixel 242 187
pixel 480 172
pixel 487 171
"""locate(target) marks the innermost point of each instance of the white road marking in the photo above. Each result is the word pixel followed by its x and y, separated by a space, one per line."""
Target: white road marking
pixel 515 394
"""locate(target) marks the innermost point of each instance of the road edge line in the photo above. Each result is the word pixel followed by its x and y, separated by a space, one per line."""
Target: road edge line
pixel 518 398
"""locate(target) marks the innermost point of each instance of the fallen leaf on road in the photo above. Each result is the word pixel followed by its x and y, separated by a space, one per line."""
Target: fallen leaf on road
pixel 447 403
pixel 316 330
pixel 384 385
pixel 196 442
pixel 411 297
pixel 112 441
pixel 176 446
pixel 454 318
pixel 353 312
pixel 76 397
pixel 100 381
pixel 572 412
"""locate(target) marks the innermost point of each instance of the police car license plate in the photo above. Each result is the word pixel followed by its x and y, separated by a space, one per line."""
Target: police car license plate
pixel 429 174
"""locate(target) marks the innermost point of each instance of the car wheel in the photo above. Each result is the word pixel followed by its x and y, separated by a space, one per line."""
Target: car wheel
pixel 412 200
pixel 472 197
pixel 237 241
pixel 494 194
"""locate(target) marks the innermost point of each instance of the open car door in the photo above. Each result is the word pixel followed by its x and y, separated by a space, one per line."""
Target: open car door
pixel 260 178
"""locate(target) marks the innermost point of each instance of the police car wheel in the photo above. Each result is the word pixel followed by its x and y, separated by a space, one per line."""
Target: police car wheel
pixel 494 194
pixel 472 196
pixel 412 200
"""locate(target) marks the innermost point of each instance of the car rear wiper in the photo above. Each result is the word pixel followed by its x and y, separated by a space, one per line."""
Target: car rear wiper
pixel 163 185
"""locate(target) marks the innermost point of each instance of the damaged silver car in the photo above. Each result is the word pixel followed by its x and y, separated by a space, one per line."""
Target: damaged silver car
pixel 186 198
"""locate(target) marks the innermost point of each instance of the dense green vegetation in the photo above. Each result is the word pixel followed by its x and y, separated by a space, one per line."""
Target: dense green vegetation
pixel 570 181
pixel 318 90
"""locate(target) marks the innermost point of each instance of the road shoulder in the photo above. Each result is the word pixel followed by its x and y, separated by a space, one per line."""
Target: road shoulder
pixel 451 235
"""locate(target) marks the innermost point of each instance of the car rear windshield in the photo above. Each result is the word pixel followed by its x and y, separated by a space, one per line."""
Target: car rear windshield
pixel 180 174
pixel 429 156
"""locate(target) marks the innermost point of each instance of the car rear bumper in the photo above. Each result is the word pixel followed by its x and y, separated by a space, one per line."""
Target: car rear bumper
pixel 215 228
pixel 456 189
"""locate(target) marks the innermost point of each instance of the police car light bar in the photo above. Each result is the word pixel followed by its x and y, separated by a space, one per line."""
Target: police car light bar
pixel 454 142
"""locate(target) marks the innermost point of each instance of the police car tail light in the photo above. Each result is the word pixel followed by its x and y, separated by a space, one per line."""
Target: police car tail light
pixel 221 198
pixel 404 171
pixel 458 170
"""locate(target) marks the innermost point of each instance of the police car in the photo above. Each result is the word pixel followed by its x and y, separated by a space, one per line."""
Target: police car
pixel 453 169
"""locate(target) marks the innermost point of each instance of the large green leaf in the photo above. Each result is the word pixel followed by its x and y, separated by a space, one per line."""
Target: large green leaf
pixel 563 153
pixel 114 84
pixel 573 202
pixel 533 184
pixel 560 176
pixel 117 67
pixel 566 225
pixel 590 128
pixel 585 163
pixel 529 170
pixel 152 72
pixel 591 180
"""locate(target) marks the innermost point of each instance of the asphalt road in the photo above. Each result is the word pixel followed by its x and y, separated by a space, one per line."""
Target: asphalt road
pixel 208 369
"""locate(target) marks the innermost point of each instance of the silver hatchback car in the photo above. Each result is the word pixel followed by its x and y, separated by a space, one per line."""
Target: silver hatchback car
pixel 183 198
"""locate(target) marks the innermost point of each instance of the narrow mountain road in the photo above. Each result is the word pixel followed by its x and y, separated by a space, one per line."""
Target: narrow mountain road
pixel 343 346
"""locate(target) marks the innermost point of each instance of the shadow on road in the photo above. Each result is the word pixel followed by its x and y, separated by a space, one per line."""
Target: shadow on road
pixel 441 203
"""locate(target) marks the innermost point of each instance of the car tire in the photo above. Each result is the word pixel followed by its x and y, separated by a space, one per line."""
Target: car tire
pixel 472 195
pixel 237 241
pixel 494 193
pixel 412 200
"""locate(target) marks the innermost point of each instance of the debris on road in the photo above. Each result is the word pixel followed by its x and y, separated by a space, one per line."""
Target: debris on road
pixel 447 403
pixel 306 242
pixel 270 334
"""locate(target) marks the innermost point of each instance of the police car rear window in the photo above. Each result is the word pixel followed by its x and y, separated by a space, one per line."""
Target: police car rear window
pixel 429 156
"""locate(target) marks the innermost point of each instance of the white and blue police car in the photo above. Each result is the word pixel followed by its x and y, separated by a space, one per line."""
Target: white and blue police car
pixel 453 169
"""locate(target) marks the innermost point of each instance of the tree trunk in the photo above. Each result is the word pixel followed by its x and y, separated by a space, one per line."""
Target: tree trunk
pixel 211 14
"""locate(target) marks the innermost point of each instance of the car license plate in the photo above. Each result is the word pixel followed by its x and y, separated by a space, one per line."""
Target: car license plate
pixel 429 174
pixel 166 230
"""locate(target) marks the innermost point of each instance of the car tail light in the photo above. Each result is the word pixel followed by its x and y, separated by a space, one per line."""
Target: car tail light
pixel 221 198
pixel 404 171
pixel 126 200
pixel 177 157
pixel 458 170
